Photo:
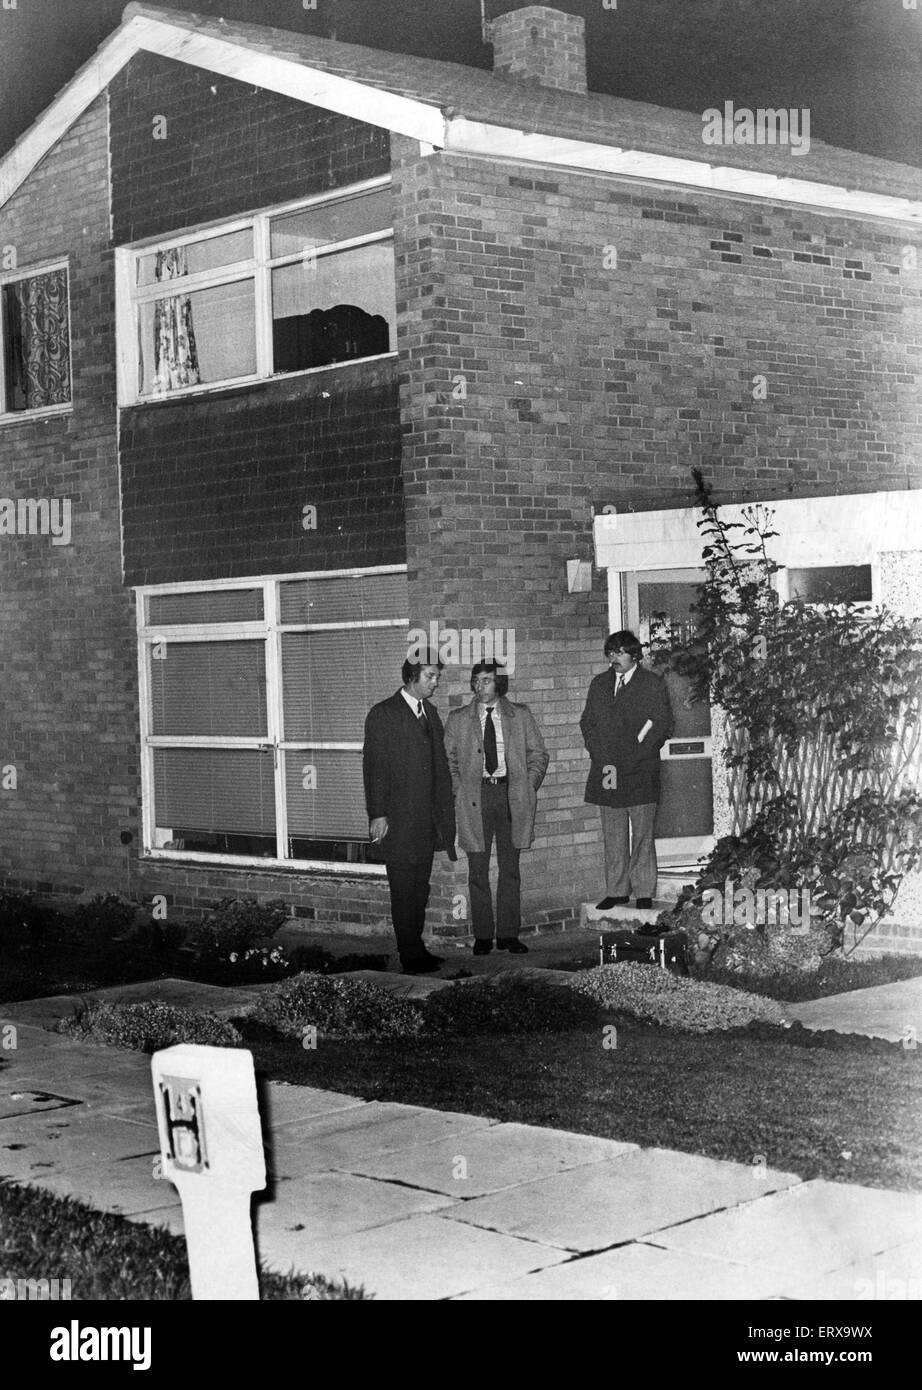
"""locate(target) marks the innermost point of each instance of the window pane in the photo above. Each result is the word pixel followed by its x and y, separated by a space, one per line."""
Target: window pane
pixel 331 222
pixel 334 309
pixel 211 606
pixel 207 254
pixel 209 335
pixel 208 688
pixel 343 599
pixel 331 679
pixel 831 584
pixel 36 342
pixel 325 795
pixel 202 793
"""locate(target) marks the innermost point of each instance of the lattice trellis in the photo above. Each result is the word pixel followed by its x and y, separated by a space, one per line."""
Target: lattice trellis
pixel 809 772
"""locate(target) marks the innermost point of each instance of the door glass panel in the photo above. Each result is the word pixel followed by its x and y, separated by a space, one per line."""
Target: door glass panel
pixel 664 618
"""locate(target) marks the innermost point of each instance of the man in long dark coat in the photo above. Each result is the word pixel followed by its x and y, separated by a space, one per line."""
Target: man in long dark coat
pixel 409 800
pixel 626 721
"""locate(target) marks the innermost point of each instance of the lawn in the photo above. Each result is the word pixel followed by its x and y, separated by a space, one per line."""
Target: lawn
pixel 850 1112
pixel 109 1258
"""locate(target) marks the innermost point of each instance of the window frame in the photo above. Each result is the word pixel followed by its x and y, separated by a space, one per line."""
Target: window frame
pixel 271 629
pixel 259 268
pixel 782 585
pixel 32 272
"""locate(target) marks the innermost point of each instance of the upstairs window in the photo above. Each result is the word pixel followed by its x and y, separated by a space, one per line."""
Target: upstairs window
pixel 284 291
pixel 35 334
pixel 827 584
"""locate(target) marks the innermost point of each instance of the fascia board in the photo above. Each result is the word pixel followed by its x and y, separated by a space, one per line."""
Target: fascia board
pixel 463 136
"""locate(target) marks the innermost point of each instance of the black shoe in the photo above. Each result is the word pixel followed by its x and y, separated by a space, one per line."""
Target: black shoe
pixel 482 947
pixel 644 902
pixel 607 903
pixel 424 966
pixel 512 944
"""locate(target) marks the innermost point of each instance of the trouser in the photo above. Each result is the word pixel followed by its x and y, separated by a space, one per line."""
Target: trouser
pixel 409 885
pixel 630 865
pixel 496 821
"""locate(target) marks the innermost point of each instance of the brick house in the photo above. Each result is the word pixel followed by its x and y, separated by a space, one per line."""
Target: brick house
pixel 447 345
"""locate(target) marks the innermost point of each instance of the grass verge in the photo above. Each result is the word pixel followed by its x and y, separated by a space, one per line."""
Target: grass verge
pixel 109 1258
pixel 848 1113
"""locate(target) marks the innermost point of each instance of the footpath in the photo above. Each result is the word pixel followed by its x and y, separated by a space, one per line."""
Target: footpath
pixel 414 1203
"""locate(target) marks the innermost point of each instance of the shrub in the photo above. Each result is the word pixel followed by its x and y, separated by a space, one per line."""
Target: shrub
pixel 336 1007
pixel 23 922
pixel 236 925
pixel 315 958
pixel 507 1003
pixel 101 919
pixel 147 1027
pixel 661 997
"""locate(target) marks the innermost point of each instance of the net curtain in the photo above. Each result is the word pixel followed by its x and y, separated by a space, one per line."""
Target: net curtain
pixel 38 341
pixel 175 354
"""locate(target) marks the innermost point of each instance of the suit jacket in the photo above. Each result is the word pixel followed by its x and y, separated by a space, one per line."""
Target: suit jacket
pixel 610 728
pixel 526 763
pixel 406 779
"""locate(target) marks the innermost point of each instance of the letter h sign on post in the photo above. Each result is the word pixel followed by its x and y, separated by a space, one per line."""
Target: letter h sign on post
pixel 212 1151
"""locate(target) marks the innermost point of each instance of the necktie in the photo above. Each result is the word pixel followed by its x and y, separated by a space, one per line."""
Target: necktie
pixel 420 715
pixel 619 685
pixel 490 758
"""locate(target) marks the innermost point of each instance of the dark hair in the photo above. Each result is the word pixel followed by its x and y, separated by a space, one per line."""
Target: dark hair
pixel 490 668
pixel 410 670
pixel 623 641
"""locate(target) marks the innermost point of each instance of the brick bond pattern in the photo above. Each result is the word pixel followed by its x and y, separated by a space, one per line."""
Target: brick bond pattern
pixel 585 385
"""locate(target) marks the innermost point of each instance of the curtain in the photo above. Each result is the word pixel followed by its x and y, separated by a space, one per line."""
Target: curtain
pixel 38 343
pixel 175 355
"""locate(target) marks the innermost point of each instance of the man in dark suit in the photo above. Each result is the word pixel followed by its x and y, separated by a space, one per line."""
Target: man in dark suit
pixel 409 801
pixel 497 760
pixel 626 721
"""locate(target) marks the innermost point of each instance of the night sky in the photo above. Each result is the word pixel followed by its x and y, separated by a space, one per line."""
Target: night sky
pixel 857 64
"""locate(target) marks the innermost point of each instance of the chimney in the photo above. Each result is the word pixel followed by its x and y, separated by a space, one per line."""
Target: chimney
pixel 541 47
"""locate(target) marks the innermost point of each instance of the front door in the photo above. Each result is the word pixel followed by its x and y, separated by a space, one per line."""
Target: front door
pixel 657 603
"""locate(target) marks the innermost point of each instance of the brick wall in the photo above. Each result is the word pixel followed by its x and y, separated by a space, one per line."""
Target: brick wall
pixel 224 147
pixel 595 378
pixel 214 487
pixel 68 708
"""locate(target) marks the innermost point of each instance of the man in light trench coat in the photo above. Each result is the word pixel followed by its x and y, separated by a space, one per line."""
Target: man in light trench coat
pixel 497 760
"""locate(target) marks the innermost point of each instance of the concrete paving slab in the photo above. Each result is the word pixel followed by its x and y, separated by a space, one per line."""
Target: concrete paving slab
pixel 884 1011
pixel 637 1271
pixel 169 1218
pixel 823 1227
pixel 128 1185
pixel 31 1100
pixel 281 1104
pixel 341 1141
pixel 608 1203
pixel 322 1206
pixel 487 1160
pixel 26 1039
pixel 890 1276
pixel 421 1258
pixel 57 1143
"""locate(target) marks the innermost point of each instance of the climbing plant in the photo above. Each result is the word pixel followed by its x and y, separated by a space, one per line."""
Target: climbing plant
pixel 824 706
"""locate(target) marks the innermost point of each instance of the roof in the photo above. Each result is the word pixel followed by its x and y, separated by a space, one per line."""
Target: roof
pixel 469 110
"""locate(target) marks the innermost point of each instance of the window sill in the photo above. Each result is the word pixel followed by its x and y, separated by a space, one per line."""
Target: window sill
pixel 312 868
pixel 232 387
pixel 28 417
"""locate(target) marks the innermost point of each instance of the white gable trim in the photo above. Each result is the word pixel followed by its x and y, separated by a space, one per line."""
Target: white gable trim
pixel 416 119
pixel 842 530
